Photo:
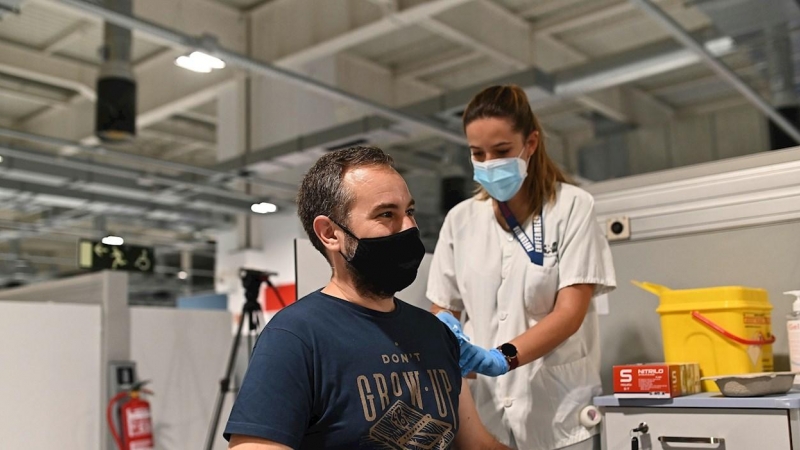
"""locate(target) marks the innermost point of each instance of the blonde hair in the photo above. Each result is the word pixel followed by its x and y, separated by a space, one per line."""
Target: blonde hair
pixel 511 103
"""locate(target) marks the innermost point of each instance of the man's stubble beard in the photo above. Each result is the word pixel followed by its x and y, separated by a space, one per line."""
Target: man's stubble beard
pixel 363 286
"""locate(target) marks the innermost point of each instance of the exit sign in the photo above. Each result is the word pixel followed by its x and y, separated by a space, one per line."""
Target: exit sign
pixel 94 255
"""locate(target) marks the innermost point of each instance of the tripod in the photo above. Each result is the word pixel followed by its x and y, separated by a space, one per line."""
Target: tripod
pixel 251 281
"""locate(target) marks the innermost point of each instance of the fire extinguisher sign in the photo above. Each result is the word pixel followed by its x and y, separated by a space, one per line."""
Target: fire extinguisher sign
pixel 138 423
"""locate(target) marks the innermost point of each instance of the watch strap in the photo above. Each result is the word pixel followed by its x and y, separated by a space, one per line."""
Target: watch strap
pixel 511 356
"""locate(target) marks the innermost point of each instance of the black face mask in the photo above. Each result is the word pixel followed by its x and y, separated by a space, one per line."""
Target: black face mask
pixel 387 264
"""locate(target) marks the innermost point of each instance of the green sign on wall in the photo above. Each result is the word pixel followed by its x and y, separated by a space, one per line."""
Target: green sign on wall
pixel 98 256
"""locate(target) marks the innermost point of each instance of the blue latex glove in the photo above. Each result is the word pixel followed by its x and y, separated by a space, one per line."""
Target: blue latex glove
pixel 473 358
pixel 491 363
pixel 454 325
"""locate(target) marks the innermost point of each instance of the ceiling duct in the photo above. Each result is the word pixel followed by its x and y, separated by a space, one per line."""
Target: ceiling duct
pixel 209 45
pixel 722 70
pixel 9 6
pixel 116 87
pixel 780 67
pixel 741 17
pixel 750 20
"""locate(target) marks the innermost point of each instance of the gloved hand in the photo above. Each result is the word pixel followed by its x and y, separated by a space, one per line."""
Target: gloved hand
pixel 491 363
pixel 473 358
pixel 455 326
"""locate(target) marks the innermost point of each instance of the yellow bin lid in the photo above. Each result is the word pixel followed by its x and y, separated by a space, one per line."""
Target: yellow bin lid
pixel 722 297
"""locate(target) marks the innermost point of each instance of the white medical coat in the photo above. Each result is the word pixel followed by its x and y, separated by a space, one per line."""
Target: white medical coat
pixel 482 270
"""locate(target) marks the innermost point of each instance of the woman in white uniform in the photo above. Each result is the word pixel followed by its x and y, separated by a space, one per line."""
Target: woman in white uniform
pixel 521 261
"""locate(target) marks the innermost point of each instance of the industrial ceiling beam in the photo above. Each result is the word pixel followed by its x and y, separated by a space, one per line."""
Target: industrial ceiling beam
pixel 61 195
pixel 92 188
pixel 369 32
pixel 71 232
pixel 26 63
pixel 233 58
pixel 144 160
pixel 66 37
pixel 186 15
pixel 122 180
pixel 728 75
pixel 540 87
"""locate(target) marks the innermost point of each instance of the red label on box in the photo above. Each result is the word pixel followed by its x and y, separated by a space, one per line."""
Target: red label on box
pixel 656 380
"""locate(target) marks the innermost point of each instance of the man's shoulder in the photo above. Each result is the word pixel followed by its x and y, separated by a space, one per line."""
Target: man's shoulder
pixel 423 320
pixel 301 312
pixel 415 312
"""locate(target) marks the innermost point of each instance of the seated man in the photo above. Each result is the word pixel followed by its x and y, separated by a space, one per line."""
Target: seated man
pixel 350 366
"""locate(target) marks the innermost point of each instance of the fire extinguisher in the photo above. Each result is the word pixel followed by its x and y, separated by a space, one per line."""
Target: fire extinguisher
pixel 134 415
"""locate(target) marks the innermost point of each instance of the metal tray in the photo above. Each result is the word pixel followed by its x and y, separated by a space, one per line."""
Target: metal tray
pixel 754 384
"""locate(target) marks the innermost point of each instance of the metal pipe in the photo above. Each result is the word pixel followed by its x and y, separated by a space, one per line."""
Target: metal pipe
pixel 717 66
pixel 780 65
pixel 208 45
pixel 102 151
pixel 569 86
pixel 130 237
pixel 41 157
pixel 139 206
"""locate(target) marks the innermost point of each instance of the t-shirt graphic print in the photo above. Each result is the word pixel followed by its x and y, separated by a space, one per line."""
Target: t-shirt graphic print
pixel 329 374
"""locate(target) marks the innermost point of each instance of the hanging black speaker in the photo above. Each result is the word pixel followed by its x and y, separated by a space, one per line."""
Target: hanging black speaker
pixel 116 109
pixel 115 113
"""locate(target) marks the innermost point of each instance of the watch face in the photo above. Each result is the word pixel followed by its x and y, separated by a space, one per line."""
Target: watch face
pixel 508 350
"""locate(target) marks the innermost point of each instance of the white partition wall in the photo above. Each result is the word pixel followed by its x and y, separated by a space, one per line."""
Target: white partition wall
pixel 50 376
pixel 108 292
pixel 56 340
pixel 183 353
pixel 312 272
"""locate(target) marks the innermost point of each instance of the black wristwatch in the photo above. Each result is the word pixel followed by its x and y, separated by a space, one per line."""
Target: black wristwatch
pixel 510 353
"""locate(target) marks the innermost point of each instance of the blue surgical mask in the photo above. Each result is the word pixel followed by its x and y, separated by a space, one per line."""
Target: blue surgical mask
pixel 502 178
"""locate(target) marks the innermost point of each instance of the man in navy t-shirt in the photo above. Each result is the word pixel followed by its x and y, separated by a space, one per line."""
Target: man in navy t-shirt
pixel 350 366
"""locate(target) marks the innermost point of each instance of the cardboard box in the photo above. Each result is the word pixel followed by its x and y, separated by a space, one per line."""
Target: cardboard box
pixel 656 380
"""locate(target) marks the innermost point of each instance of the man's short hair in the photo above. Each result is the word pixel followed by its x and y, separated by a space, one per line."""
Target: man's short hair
pixel 322 192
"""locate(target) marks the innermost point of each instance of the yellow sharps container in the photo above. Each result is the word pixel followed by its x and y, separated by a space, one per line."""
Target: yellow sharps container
pixel 727 330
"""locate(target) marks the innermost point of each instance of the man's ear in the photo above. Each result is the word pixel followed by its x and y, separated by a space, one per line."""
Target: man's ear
pixel 325 230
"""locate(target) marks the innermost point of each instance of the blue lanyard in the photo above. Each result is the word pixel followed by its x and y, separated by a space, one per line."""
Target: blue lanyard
pixel 535 249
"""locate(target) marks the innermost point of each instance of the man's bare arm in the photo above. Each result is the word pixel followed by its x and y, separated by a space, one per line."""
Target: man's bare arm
pixel 472 435
pixel 240 442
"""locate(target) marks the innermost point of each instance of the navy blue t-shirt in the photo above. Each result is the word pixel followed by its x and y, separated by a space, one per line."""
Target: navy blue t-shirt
pixel 329 374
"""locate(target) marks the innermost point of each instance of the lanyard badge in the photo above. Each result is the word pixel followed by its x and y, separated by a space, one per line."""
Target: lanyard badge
pixel 535 249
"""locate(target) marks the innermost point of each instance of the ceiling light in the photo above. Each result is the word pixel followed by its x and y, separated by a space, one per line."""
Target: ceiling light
pixel 182 275
pixel 113 240
pixel 720 46
pixel 199 62
pixel 192 64
pixel 1 159
pixel 263 208
pixel 208 60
